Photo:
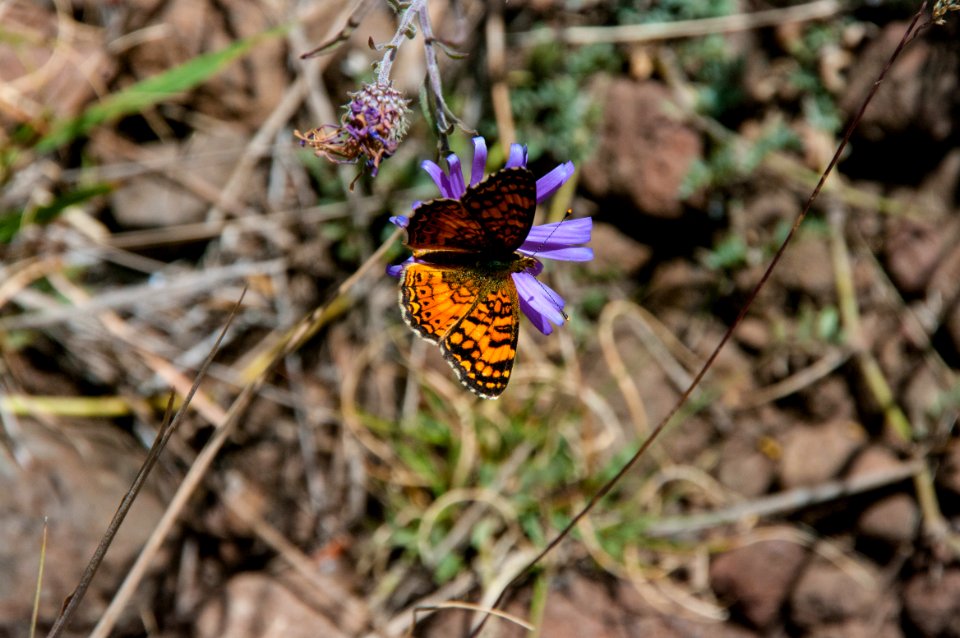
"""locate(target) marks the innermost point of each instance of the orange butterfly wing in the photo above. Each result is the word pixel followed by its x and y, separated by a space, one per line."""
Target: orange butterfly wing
pixel 473 316
pixel 464 298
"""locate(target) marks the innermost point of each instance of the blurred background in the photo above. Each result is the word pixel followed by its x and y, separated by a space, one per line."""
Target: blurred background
pixel 149 172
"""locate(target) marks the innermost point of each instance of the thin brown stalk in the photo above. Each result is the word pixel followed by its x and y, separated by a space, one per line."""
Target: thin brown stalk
pixel 167 429
pixel 290 340
pixel 661 426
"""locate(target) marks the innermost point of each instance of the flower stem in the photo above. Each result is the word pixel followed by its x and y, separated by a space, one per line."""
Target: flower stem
pixel 391 48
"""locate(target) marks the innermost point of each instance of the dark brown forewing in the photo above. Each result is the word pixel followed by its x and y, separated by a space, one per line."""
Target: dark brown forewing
pixel 493 218
pixel 505 204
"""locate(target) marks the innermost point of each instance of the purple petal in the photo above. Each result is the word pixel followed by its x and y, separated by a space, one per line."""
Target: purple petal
pixel 570 232
pixel 552 181
pixel 518 156
pixel 399 220
pixel 457 186
pixel 570 253
pixel 539 302
pixel 479 160
pixel 396 270
pixel 438 176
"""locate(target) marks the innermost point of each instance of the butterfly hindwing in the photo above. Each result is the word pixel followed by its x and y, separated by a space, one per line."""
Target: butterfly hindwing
pixel 483 345
pixel 434 298
pixel 473 316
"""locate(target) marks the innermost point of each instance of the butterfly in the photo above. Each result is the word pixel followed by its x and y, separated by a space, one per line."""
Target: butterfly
pixel 458 291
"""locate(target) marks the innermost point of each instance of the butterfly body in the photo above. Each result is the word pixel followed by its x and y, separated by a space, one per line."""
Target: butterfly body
pixel 458 292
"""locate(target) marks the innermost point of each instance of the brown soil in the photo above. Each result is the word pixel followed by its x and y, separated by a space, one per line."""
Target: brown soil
pixel 788 502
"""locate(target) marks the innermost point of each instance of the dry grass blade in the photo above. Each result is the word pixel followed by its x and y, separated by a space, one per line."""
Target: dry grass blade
pixel 897 423
pixel 144 295
pixel 783 502
pixel 470 607
pixel 818 10
pixel 36 595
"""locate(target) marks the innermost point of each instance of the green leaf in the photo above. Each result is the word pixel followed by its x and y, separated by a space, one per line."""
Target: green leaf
pixel 152 90
pixel 11 223
pixel 449 566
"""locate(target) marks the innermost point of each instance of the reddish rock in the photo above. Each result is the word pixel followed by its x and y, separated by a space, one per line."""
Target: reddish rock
pixel 875 458
pixel 645 151
pixel 754 333
pixel 577 606
pixel 257 605
pixel 894 519
pixel 932 604
pixel 856 629
pixel 756 579
pixel 150 200
pixel 913 251
pixel 74 478
pixel 806 266
pixel 812 455
pixel 897 105
pixel 620 253
pixel 744 469
pixel 830 399
pixel 826 593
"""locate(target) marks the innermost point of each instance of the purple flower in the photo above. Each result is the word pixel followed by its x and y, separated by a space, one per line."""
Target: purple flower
pixel 542 305
pixel 371 127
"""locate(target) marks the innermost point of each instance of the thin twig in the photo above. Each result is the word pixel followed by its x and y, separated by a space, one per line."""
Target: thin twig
pixel 797 381
pixel 356 17
pixel 934 522
pixel 894 418
pixel 148 295
pixel 442 111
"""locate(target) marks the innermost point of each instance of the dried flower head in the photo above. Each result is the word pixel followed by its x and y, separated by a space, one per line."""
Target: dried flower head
pixel 941 7
pixel 371 127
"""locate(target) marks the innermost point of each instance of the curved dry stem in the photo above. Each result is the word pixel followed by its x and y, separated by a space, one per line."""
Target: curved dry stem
pixel 432 554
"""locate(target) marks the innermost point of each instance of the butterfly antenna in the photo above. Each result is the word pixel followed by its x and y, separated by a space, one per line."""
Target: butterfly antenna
pixel 547 291
pixel 566 216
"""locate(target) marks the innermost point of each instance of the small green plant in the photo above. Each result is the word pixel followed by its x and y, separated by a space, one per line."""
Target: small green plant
pixel 555 115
